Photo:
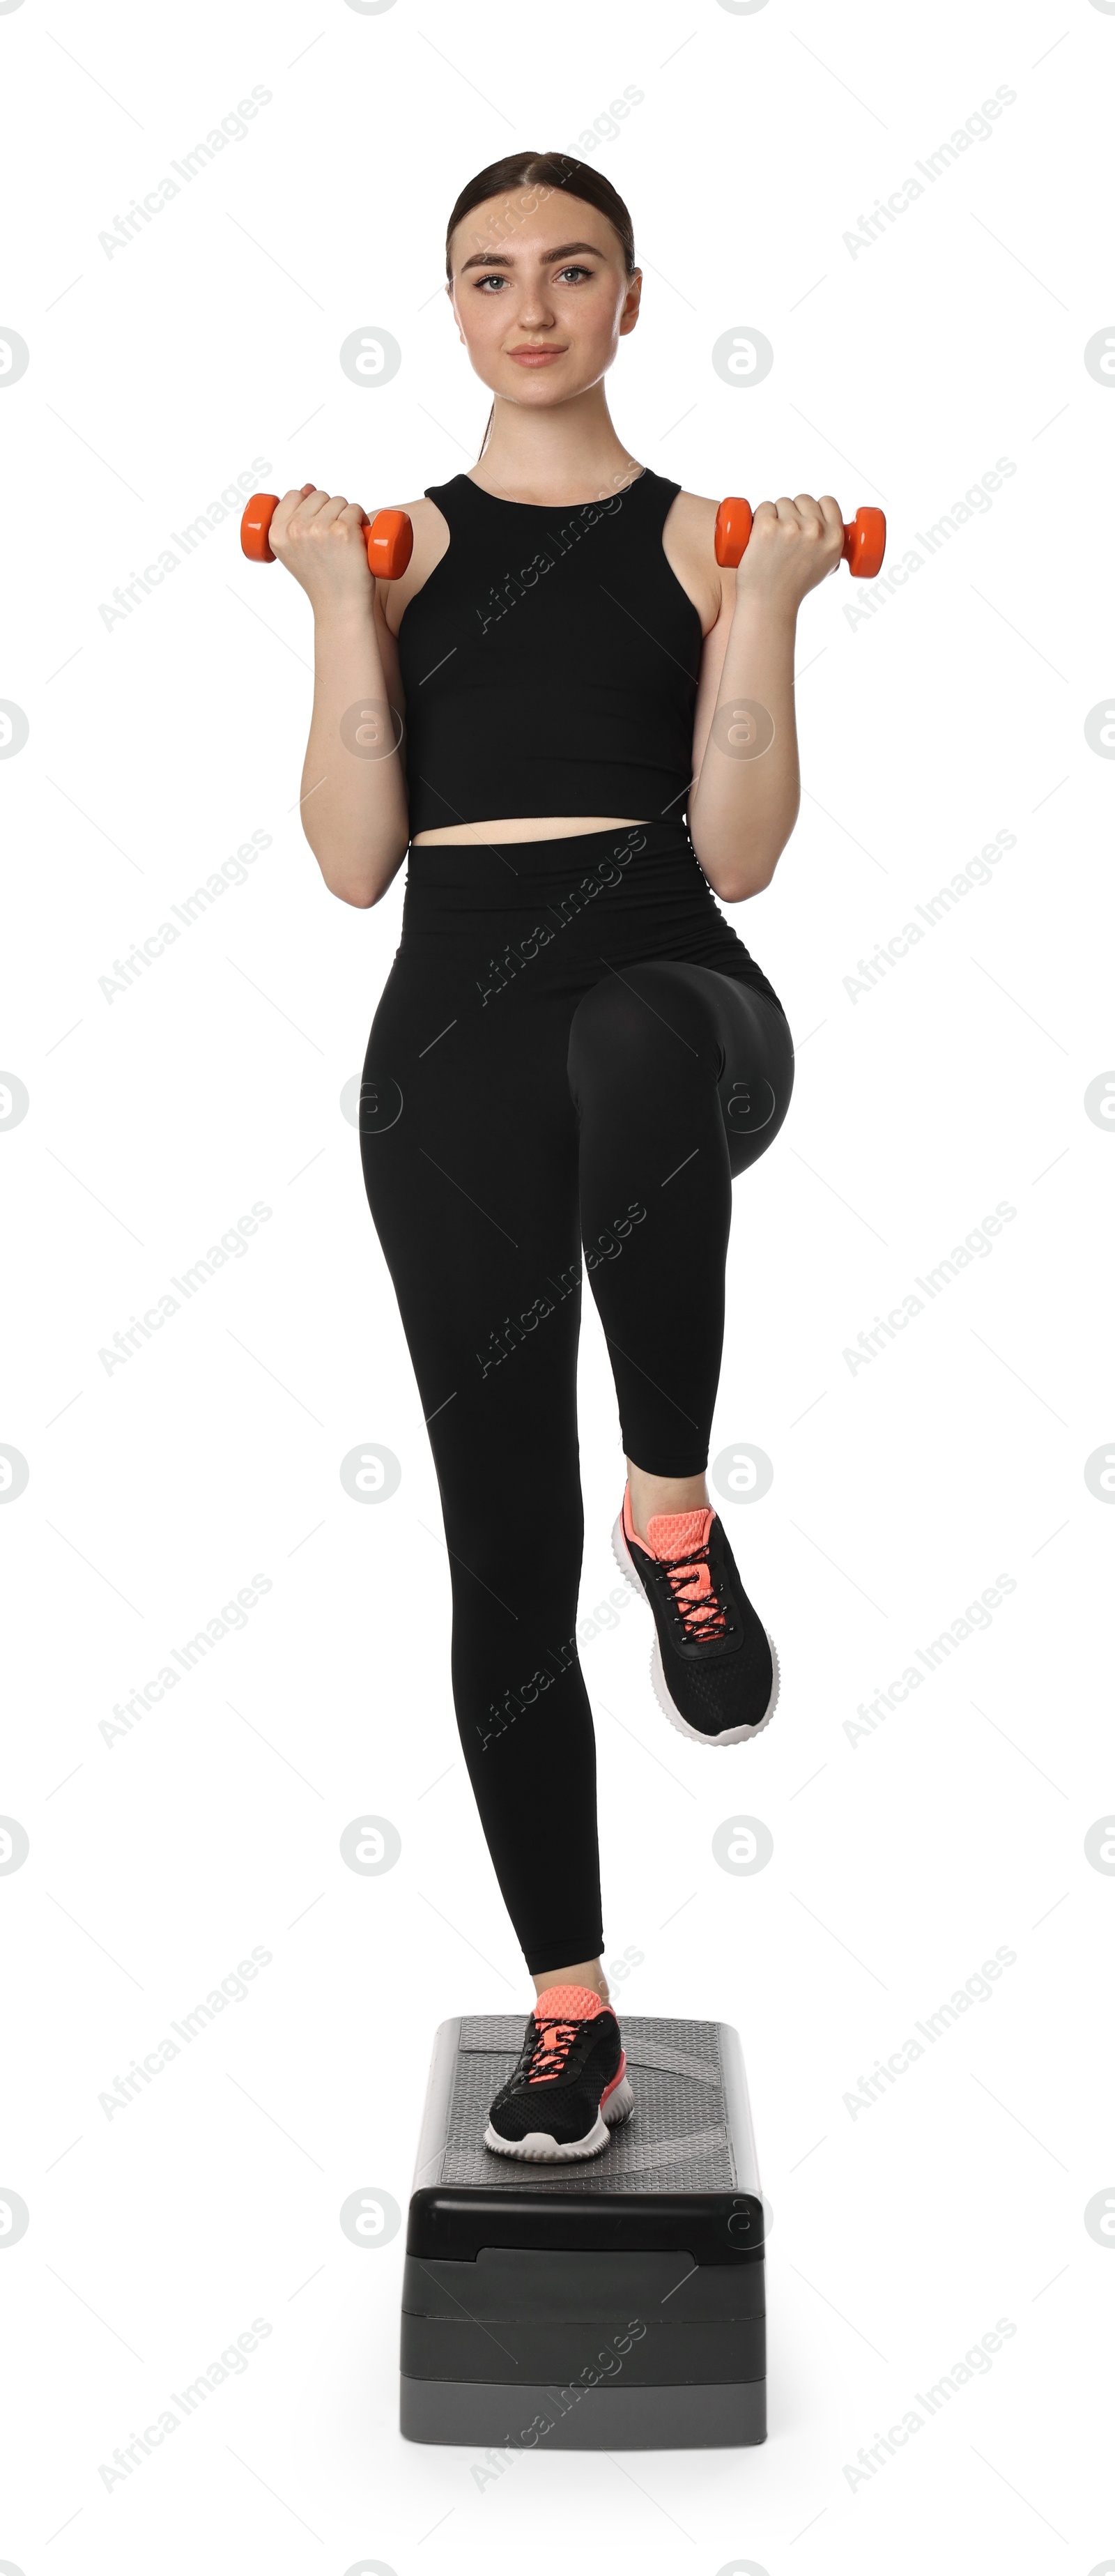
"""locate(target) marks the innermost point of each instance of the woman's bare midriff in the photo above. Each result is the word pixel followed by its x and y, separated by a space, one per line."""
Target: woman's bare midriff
pixel 531 827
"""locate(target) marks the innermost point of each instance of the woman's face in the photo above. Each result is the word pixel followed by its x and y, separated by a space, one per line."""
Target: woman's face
pixel 541 294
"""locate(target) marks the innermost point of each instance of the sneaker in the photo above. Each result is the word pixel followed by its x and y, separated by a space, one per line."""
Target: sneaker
pixel 714 1668
pixel 570 2085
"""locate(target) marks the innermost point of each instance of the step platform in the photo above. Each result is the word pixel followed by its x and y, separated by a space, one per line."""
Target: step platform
pixel 615 2304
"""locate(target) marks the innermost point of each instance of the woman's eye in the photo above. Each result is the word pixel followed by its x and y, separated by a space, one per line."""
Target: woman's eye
pixel 575 272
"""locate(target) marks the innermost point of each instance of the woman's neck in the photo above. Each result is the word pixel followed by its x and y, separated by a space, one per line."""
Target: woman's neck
pixel 570 454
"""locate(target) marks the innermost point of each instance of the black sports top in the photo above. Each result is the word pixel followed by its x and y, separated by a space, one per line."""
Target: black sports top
pixel 550 661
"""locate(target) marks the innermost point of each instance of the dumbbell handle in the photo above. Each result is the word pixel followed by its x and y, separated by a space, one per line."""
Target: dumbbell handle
pixel 865 538
pixel 389 536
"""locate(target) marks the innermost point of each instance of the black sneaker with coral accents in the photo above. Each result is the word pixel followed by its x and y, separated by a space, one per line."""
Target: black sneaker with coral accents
pixel 570 2085
pixel 714 1668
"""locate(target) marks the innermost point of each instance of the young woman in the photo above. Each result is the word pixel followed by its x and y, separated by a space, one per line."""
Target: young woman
pixel 573 1047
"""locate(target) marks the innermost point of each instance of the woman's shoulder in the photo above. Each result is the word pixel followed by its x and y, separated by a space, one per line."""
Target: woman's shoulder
pixel 421 513
pixel 688 540
pixel 431 541
pixel 691 510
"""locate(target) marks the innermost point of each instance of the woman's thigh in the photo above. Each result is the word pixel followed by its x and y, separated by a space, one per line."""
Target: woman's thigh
pixel 647 1040
pixel 468 1145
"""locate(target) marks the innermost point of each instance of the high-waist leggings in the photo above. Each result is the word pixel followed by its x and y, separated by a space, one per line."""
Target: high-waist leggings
pixel 573 1058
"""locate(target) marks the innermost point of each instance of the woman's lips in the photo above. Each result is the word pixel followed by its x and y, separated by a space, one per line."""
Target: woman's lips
pixel 535 357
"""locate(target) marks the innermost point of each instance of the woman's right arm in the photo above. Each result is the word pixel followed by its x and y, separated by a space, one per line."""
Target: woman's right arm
pixel 353 799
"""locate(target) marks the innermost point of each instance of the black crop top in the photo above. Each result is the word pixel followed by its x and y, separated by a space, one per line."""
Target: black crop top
pixel 550 661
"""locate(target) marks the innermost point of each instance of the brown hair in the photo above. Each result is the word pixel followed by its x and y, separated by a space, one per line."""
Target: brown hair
pixel 544 171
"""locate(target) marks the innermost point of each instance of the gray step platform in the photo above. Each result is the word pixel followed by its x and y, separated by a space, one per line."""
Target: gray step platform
pixel 616 2304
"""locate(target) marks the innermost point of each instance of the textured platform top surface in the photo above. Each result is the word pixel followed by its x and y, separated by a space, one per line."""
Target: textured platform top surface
pixel 679 2137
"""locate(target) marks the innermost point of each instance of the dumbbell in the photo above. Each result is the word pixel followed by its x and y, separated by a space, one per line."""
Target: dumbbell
pixel 389 536
pixel 865 538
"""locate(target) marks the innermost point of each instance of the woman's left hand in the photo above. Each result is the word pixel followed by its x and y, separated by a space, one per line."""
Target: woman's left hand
pixel 792 545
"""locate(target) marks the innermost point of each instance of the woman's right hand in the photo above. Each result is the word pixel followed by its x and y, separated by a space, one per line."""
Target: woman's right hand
pixel 322 540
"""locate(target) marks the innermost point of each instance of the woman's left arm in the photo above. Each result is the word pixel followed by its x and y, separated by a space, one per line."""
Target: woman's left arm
pixel 744 801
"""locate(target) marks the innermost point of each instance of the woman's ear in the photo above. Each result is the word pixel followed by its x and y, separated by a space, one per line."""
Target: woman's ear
pixel 449 292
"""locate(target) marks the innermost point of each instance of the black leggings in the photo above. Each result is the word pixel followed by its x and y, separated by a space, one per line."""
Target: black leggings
pixel 572 1048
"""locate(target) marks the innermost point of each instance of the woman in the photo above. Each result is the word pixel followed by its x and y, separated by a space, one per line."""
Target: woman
pixel 572 1045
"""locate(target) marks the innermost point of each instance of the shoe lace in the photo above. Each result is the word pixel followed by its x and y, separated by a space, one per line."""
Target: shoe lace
pixel 694 1595
pixel 552 2043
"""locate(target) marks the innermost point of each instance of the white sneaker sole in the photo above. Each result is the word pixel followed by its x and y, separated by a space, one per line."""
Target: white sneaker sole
pixel 732 1734
pixel 538 2148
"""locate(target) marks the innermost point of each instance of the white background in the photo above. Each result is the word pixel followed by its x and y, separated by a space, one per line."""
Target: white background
pixel 902 1859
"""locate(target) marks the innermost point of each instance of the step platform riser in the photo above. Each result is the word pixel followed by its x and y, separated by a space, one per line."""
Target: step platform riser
pixel 615 2304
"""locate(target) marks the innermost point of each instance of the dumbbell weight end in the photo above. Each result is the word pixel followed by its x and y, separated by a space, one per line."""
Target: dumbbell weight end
pixel 255 524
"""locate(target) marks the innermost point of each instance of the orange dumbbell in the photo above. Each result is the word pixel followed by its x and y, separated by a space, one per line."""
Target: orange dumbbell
pixel 865 538
pixel 389 536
